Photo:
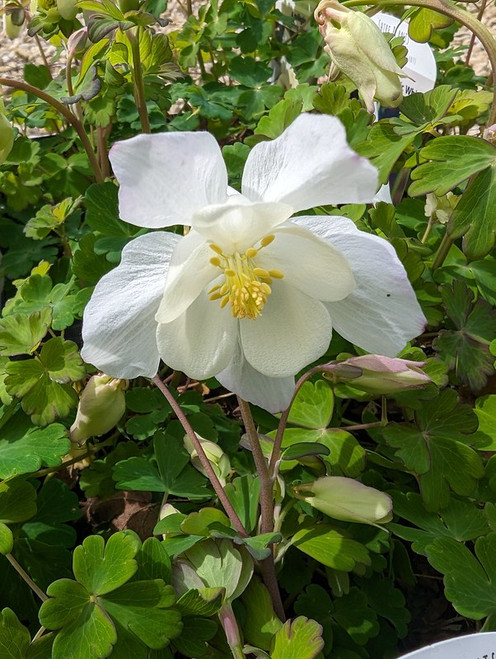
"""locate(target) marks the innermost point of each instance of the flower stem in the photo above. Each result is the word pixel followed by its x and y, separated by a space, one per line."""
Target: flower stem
pixel 139 87
pixel 26 577
pixel 231 630
pixel 462 16
pixel 228 507
pixel 42 52
pixel 276 449
pixel 66 113
pixel 442 251
pixel 267 566
pixel 38 634
pixel 268 570
pixel 266 484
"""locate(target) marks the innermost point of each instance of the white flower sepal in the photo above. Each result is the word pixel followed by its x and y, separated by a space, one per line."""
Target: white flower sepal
pixel 250 295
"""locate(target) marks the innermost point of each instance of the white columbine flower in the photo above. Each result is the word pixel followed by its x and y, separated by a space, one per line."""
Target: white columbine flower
pixel 251 294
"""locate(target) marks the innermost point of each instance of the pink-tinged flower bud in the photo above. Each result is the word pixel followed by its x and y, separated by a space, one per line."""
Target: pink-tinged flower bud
pixel 215 455
pixel 490 134
pixel 101 405
pixel 77 42
pixel 347 500
pixel 377 374
pixel 6 135
pixel 358 49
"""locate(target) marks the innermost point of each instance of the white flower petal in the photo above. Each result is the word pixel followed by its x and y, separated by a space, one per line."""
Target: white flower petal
pixel 313 266
pixel 118 323
pixel 382 314
pixel 239 224
pixel 201 342
pixel 271 394
pixel 189 272
pixel 292 331
pixel 166 177
pixel 309 165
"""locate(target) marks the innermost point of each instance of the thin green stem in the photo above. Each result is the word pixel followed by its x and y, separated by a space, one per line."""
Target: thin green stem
pixel 427 231
pixel 442 251
pixel 26 577
pixel 139 87
pixel 448 8
pixel 276 449
pixel 228 507
pixel 42 52
pixel 68 116
pixel 360 426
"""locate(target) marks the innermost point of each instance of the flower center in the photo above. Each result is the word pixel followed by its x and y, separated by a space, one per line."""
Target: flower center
pixel 246 287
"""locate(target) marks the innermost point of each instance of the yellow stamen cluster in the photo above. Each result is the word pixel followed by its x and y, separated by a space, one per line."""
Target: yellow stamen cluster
pixel 246 287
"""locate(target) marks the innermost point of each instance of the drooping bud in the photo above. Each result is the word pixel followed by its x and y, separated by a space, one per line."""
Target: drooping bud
pixel 67 9
pixel 6 135
pixel 215 455
pixel 129 5
pixel 77 42
pixel 101 405
pixel 377 374
pixel 13 20
pixel 358 49
pixel 347 500
pixel 490 134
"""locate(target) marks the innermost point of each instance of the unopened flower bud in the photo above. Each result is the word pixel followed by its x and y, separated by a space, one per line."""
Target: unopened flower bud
pixel 377 374
pixel 129 5
pixel 490 134
pixel 77 43
pixel 13 22
pixel 358 49
pixel 67 9
pixel 215 455
pixel 6 135
pixel 101 405
pixel 166 510
pixel 347 500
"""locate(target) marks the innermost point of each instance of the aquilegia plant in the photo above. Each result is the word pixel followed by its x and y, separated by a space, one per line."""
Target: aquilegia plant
pixel 251 293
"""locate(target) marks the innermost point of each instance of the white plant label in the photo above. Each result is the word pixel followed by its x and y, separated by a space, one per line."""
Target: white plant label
pixel 421 65
pixel 472 646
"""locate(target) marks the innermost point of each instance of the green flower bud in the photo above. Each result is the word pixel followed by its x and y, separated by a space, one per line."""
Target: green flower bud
pixel 67 9
pixel 377 374
pixel 128 5
pixel 6 135
pixel 216 456
pixel 358 49
pixel 13 23
pixel 101 405
pixel 347 499
pixel 53 15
